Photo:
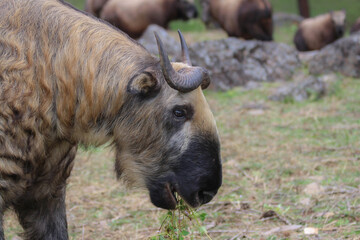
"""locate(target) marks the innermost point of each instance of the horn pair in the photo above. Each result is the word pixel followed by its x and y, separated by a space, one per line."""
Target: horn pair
pixel 187 79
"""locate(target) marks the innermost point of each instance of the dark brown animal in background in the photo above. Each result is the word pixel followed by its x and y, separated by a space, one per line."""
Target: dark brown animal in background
pixel 248 19
pixel 356 27
pixel 315 33
pixel 94 7
pixel 134 16
pixel 67 78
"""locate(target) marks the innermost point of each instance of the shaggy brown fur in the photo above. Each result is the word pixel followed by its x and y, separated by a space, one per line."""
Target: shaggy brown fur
pixel 356 27
pixel 66 79
pixel 134 16
pixel 315 33
pixel 249 19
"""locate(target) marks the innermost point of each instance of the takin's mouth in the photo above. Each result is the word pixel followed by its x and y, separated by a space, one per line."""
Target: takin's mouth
pixel 166 196
pixel 170 190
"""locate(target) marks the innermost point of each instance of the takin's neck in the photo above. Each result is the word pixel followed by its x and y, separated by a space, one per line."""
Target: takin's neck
pixel 91 64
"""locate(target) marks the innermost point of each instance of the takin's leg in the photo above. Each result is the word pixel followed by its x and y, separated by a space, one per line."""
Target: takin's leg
pixel 41 210
pixel 300 42
pixel 2 237
pixel 12 183
pixel 44 219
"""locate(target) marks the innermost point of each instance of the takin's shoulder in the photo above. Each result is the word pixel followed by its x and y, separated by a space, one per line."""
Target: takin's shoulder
pixel 316 22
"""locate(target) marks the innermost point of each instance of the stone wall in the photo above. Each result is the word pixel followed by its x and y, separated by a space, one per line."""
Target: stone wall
pixel 235 62
pixel 343 56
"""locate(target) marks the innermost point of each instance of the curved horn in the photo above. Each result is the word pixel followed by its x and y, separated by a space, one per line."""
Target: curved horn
pixel 187 79
pixel 184 50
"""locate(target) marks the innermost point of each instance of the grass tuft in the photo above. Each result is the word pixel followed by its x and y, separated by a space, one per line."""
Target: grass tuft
pixel 183 222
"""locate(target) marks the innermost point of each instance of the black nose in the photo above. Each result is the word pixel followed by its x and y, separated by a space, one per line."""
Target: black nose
pixel 206 196
pixel 195 13
pixel 339 31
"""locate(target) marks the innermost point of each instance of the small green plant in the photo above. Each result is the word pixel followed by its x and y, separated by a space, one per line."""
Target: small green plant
pixel 183 222
pixel 313 95
pixel 342 222
pixel 288 100
pixel 336 89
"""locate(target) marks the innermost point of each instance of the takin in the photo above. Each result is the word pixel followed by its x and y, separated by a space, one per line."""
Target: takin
pixel 315 33
pixel 67 79
pixel 134 16
pixel 248 19
pixel 356 27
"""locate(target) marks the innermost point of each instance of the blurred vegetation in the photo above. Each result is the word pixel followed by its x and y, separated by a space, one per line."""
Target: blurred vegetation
pixel 317 7
pixel 285 33
pixel 77 3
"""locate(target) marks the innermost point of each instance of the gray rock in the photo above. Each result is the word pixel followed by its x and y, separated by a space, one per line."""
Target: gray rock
pixel 329 78
pixel 234 62
pixel 306 57
pixel 342 56
pixel 281 19
pixel 300 90
pixel 252 85
pixel 255 105
pixel 149 42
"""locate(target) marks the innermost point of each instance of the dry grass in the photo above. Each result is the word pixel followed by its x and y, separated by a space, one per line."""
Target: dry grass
pixel 271 152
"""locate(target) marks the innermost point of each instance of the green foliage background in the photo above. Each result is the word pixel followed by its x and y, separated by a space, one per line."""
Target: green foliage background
pixel 317 7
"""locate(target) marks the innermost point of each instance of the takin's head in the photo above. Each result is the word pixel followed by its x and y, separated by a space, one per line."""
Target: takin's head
pixel 186 10
pixel 338 18
pixel 167 140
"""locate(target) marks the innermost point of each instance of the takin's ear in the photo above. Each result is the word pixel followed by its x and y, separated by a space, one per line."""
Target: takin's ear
pixel 143 84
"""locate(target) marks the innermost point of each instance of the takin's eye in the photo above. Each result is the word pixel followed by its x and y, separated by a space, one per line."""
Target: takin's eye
pixel 183 112
pixel 179 113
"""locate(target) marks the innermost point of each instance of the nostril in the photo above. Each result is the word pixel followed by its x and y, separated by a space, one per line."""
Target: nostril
pixel 206 196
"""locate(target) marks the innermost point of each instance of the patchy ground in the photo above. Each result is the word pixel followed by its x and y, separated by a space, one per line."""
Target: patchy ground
pixel 284 164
